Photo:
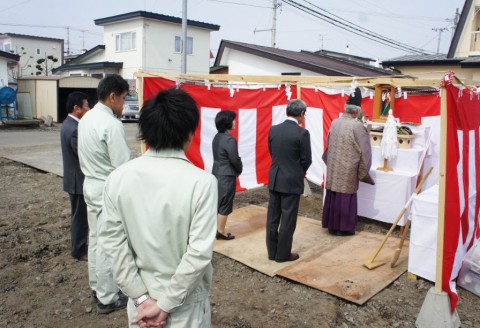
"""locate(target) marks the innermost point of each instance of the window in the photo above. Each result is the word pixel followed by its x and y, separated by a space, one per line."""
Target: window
pixel 125 41
pixel 7 46
pixel 37 51
pixel 178 43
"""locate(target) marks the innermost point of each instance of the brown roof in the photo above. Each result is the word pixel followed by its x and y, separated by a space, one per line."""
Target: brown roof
pixel 318 63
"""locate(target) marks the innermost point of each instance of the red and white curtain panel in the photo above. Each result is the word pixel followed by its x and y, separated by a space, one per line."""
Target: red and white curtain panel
pixel 462 201
pixel 258 109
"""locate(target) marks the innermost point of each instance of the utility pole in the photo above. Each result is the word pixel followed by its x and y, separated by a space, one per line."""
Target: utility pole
pixel 321 36
pixel 275 6
pixel 68 40
pixel 184 38
pixel 274 23
pixel 439 30
pixel 454 22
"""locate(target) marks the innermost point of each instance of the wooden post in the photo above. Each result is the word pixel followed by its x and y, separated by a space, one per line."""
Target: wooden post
pixel 143 146
pixel 393 91
pixel 441 191
pixel 377 103
pixel 299 92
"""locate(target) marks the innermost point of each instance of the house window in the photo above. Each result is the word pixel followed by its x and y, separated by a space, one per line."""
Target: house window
pixel 7 46
pixel 125 41
pixel 37 51
pixel 178 44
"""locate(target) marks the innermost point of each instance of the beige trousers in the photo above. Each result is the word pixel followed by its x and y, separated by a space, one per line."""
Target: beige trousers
pixel 99 270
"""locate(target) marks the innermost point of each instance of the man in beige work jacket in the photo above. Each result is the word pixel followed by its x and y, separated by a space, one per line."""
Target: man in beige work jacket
pixel 102 148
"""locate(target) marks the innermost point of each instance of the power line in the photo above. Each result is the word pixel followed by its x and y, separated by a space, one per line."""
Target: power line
pixel 53 26
pixel 240 4
pixel 353 28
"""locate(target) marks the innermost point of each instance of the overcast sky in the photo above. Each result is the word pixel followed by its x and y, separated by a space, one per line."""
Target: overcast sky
pixel 407 21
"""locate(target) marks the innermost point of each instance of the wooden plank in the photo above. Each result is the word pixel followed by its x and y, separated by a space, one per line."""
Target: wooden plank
pixel 441 191
pixel 395 81
pixel 339 270
pixel 329 263
pixel 249 246
pixel 412 276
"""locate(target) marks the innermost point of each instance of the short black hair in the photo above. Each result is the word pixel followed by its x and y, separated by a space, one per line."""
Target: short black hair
pixel 296 107
pixel 224 120
pixel 75 98
pixel 168 119
pixel 112 83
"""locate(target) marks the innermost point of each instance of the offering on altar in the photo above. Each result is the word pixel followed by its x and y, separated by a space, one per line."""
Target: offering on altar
pixel 405 136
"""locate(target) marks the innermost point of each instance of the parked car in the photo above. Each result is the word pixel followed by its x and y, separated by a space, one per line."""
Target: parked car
pixel 131 110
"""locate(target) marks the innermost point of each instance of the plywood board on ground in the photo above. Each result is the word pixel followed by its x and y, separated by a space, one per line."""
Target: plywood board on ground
pixel 249 246
pixel 340 271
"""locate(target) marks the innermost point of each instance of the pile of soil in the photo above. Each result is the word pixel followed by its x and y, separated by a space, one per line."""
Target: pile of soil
pixel 42 286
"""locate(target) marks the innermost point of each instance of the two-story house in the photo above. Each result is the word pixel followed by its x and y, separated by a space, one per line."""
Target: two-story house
pixel 463 56
pixel 30 49
pixel 144 41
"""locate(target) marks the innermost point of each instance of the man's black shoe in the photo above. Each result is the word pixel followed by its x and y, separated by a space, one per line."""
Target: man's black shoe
pixel 120 304
pixel 94 296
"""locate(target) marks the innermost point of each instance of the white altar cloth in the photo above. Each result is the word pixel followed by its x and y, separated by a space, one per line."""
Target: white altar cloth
pixel 385 200
pixel 423 235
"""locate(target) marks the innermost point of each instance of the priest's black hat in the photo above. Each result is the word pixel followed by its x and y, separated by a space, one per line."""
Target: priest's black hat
pixel 356 98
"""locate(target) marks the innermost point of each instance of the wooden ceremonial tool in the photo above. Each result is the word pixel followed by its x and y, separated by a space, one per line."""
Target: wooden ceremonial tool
pixel 369 263
pixel 396 255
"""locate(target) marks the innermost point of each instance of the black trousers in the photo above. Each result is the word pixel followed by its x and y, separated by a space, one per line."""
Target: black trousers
pixel 281 223
pixel 79 226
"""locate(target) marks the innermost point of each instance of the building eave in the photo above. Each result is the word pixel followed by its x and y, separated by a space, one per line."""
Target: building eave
pixel 154 16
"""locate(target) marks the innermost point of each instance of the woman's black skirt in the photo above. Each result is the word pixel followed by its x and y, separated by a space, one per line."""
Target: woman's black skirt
pixel 226 193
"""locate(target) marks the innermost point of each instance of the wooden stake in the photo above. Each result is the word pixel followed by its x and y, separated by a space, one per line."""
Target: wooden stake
pixel 441 191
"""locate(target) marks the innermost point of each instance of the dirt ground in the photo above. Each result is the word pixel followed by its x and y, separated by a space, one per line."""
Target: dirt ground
pixel 42 286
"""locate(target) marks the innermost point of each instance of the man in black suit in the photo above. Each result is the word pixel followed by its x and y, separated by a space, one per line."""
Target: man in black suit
pixel 289 146
pixel 77 106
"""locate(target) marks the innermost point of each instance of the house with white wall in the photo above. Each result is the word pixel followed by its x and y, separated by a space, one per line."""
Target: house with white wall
pixel 238 58
pixel 463 56
pixel 7 60
pixel 145 41
pixel 30 49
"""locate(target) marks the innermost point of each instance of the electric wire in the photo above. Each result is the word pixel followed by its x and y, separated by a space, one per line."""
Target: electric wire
pixel 353 28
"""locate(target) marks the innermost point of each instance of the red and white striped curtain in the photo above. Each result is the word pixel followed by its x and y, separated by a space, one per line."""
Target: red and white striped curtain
pixel 258 109
pixel 462 199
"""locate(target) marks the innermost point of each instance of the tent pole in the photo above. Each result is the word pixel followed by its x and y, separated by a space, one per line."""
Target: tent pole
pixel 143 146
pixel 441 192
pixel 436 311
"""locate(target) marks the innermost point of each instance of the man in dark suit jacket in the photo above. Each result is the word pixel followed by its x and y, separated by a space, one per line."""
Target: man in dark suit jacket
pixel 289 146
pixel 77 106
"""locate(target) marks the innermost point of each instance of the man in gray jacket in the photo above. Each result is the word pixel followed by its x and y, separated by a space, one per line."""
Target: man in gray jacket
pixel 102 148
pixel 289 146
pixel 160 220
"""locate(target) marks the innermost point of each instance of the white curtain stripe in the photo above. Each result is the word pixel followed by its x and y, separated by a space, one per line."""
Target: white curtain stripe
pixel 207 132
pixel 247 140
